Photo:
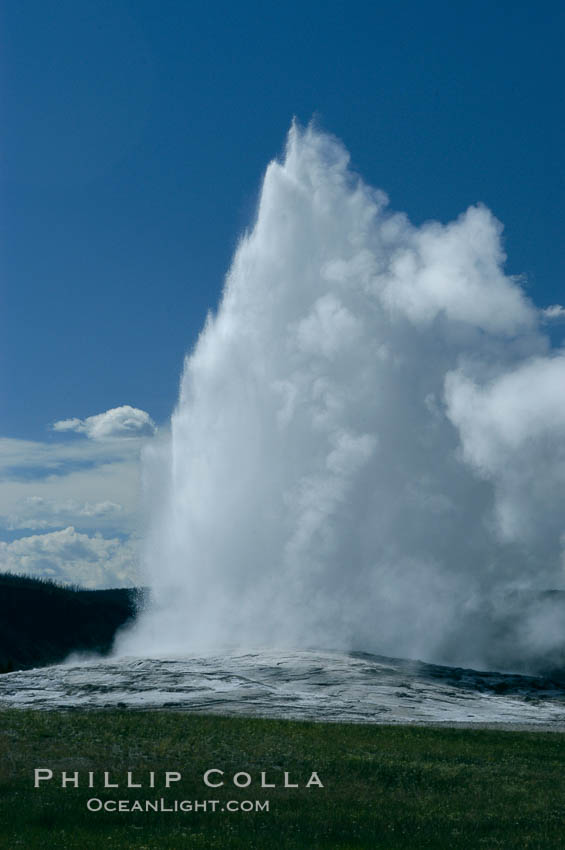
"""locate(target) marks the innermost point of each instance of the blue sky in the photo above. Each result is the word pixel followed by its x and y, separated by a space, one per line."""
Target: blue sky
pixel 135 138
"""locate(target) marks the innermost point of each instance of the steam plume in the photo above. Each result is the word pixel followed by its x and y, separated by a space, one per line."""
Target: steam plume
pixel 369 445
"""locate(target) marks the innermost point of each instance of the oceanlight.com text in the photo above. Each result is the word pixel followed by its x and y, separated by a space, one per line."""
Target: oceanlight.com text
pixel 95 804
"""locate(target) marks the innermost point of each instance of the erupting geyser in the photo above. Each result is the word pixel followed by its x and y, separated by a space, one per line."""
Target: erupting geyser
pixel 369 445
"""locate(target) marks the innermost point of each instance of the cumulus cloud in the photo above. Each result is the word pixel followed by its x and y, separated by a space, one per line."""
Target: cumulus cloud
pixel 73 558
pixel 369 446
pixel 119 422
pixel 553 313
pixel 89 485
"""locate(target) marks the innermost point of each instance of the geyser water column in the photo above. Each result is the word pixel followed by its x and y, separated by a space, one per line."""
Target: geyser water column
pixel 358 458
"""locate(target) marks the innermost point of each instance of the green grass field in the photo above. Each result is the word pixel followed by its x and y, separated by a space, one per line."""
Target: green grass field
pixel 384 786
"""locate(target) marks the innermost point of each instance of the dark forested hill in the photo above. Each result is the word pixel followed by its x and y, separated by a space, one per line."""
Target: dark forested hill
pixel 42 622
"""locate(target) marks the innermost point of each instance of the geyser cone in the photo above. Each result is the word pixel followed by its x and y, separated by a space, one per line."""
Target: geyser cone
pixel 345 466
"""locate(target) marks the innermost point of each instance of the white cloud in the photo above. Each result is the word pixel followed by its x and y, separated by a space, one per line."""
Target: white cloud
pixel 71 557
pixel 32 458
pixel 553 313
pixel 37 512
pixel 89 486
pixel 119 422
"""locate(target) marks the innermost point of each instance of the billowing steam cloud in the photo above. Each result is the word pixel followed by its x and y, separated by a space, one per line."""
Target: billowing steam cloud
pixel 369 446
